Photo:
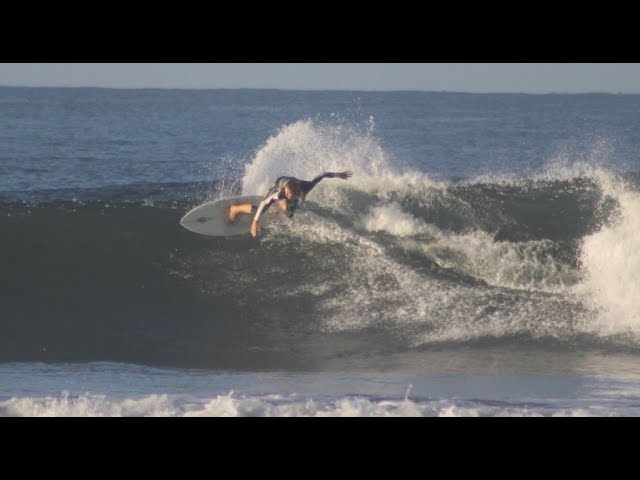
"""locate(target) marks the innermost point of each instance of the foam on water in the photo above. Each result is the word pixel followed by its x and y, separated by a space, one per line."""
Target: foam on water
pixel 609 257
pixel 610 260
pixel 375 290
pixel 391 219
pixel 277 405
pixel 520 265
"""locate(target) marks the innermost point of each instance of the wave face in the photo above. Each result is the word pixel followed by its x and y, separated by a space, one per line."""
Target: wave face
pixel 388 261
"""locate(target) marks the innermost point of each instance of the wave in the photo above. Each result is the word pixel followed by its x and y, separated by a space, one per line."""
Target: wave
pixel 418 267
pixel 387 260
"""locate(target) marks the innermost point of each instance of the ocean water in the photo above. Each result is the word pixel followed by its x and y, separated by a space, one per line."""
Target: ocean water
pixel 483 260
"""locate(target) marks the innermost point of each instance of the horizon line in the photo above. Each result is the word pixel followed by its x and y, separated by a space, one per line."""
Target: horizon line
pixel 353 90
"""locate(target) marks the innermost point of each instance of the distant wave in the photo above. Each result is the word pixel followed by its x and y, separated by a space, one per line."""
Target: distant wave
pixel 234 405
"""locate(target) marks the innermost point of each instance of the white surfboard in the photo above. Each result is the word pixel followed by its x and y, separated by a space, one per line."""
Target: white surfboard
pixel 212 218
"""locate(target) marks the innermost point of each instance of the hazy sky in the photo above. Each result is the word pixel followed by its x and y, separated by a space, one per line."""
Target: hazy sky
pixel 459 77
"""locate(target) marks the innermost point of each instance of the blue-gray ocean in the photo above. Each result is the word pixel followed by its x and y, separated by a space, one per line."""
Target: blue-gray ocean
pixel 483 260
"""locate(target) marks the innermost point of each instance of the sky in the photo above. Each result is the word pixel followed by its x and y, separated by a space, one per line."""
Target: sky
pixel 454 77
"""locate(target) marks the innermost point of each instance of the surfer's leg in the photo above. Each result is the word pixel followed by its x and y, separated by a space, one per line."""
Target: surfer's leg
pixel 235 210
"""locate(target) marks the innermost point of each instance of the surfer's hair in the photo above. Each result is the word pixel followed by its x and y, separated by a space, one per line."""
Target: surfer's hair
pixel 294 187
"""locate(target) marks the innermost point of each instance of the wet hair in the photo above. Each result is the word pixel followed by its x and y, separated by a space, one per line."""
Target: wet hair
pixel 295 188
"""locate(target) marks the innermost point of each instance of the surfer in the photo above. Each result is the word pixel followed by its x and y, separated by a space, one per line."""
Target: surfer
pixel 288 192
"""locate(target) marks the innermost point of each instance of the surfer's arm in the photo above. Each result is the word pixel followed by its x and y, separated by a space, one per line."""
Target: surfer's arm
pixel 265 204
pixel 343 175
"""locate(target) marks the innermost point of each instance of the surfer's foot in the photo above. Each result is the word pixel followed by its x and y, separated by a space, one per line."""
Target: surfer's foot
pixel 233 213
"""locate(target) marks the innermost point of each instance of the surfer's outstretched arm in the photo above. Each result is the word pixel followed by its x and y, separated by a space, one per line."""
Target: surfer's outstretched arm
pixel 343 175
